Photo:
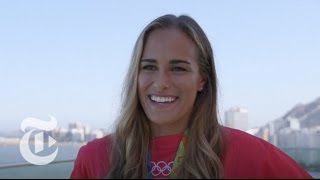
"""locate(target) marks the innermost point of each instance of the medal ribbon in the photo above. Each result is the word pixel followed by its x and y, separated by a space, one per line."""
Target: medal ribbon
pixel 177 160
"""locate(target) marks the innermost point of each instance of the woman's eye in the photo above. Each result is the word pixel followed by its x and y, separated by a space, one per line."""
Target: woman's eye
pixel 178 69
pixel 149 67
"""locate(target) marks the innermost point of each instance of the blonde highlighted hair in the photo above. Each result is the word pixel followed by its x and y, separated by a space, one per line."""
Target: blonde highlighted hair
pixel 130 142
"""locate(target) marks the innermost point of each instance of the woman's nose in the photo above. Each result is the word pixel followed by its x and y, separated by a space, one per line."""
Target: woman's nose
pixel 162 81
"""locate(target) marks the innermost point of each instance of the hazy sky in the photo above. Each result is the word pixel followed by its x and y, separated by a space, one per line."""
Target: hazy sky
pixel 68 58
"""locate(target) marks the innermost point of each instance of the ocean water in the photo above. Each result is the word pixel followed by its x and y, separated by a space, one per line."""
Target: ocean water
pixel 58 170
pixel 13 165
pixel 315 175
pixel 308 158
pixel 10 153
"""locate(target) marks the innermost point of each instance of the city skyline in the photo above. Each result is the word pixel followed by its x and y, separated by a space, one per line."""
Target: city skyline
pixel 223 121
pixel 69 59
pixel 80 131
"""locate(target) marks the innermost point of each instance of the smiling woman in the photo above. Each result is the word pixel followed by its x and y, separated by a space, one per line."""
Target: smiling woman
pixel 168 80
pixel 168 126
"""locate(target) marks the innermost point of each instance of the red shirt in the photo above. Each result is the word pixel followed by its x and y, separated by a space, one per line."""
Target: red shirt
pixel 245 156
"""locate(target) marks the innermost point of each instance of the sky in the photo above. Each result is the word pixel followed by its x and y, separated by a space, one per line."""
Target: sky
pixel 68 59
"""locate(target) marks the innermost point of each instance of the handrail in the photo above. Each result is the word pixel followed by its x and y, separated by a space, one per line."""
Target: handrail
pixel 15 165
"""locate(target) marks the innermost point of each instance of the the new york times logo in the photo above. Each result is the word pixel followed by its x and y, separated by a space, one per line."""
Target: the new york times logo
pixel 35 125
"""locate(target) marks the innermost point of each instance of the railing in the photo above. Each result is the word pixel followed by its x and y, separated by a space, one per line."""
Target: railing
pixel 54 170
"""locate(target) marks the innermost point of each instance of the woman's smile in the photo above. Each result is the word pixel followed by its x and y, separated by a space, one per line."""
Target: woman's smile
pixel 163 99
pixel 169 79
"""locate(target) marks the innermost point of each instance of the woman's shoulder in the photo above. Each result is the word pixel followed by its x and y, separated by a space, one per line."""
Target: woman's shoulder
pixel 247 156
pixel 98 144
pixel 93 159
pixel 238 138
pixel 239 144
pixel 96 149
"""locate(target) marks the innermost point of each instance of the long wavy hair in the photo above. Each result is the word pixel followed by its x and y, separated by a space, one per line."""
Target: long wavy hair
pixel 130 142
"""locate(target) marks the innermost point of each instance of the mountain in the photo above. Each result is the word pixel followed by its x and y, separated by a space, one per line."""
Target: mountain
pixel 307 114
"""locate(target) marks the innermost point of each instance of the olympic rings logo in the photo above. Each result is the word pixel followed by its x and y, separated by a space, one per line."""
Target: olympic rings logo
pixel 161 167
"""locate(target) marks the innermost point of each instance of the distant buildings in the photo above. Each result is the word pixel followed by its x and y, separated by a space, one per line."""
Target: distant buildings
pixel 287 133
pixel 5 140
pixel 303 144
pixel 77 132
pixel 237 118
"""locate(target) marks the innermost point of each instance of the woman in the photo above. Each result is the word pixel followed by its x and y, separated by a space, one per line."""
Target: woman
pixel 168 127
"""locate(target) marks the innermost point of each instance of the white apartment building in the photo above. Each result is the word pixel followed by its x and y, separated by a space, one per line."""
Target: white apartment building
pixel 237 118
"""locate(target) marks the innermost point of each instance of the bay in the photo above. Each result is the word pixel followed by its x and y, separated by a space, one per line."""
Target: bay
pixel 10 153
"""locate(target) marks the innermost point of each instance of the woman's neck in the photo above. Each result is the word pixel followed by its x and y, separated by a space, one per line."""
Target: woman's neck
pixel 166 130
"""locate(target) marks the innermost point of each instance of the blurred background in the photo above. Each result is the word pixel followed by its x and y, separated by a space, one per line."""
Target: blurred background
pixel 68 59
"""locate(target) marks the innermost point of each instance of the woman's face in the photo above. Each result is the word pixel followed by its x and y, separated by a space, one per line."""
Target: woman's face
pixel 168 80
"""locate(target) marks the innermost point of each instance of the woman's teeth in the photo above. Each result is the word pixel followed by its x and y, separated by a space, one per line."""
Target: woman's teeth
pixel 161 99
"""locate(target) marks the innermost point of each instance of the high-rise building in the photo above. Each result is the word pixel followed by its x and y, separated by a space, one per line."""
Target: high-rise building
pixel 237 118
pixel 76 125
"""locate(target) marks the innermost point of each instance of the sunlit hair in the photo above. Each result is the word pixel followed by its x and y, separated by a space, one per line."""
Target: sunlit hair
pixel 132 136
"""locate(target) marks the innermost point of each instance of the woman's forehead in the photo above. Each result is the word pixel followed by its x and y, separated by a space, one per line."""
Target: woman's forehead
pixel 169 43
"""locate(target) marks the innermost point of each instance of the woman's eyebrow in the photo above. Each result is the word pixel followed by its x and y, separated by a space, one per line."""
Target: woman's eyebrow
pixel 177 61
pixel 173 61
pixel 148 60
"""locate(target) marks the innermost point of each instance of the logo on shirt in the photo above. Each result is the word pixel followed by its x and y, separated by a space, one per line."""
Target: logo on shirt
pixel 39 139
pixel 161 168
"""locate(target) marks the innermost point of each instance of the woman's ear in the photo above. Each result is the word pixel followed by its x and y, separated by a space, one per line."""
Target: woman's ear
pixel 202 82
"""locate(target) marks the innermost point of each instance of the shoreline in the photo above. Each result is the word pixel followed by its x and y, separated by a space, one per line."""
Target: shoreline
pixel 5 143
